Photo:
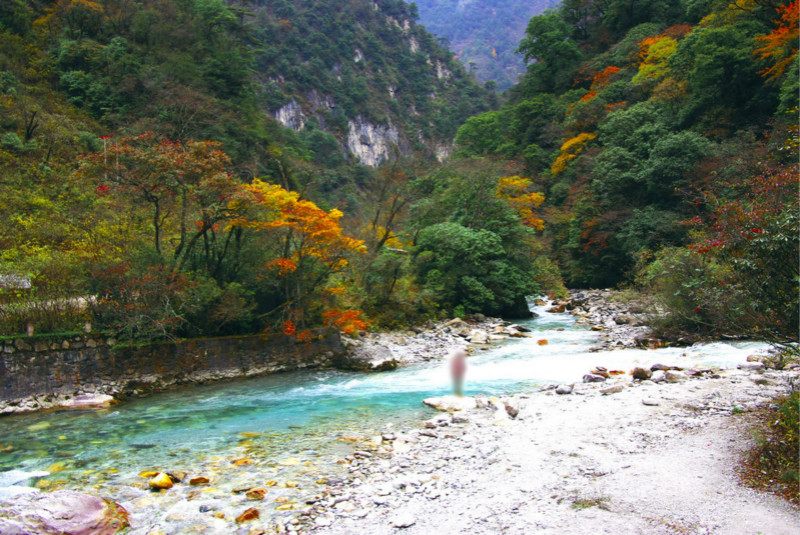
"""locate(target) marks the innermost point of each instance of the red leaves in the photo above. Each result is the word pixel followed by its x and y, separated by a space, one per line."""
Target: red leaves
pixel 780 45
pixel 288 327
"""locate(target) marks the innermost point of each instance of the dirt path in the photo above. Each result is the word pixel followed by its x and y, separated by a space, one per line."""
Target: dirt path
pixel 583 463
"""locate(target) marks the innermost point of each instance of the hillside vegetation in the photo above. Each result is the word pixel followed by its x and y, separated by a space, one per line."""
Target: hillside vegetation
pixel 149 191
pixel 664 136
pixel 146 187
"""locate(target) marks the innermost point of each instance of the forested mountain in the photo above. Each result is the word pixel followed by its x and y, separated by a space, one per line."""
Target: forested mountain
pixel 484 34
pixel 147 188
pixel 664 136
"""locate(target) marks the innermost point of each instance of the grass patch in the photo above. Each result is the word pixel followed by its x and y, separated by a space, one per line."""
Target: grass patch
pixel 586 503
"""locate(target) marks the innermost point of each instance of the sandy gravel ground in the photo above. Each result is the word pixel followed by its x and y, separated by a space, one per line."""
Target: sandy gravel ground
pixel 583 463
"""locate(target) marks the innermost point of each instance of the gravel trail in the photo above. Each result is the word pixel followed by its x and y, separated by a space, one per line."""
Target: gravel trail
pixel 583 463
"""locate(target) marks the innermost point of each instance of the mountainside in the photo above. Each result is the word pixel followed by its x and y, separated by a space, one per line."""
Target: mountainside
pixel 664 136
pixel 364 71
pixel 484 34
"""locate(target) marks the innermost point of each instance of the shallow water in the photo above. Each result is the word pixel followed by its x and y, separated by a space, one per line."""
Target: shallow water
pixel 303 414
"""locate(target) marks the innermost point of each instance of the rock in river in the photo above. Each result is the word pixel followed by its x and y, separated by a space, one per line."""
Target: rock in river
pixel 63 512
pixel 160 481
pixel 450 403
pixel 248 515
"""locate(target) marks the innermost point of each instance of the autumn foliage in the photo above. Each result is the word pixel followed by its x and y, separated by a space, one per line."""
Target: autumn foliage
pixel 779 47
pixel 199 217
pixel 514 189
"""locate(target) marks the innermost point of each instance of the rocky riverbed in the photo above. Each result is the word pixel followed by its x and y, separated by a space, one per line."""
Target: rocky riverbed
pixel 630 457
pixel 621 319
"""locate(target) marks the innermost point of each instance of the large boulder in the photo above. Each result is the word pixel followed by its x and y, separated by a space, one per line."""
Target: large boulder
pixel 367 356
pixel 518 309
pixel 63 512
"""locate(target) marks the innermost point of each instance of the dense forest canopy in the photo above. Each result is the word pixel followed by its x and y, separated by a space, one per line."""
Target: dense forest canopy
pixel 653 128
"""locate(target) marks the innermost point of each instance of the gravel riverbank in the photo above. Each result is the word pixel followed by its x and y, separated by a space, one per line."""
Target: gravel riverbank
pixel 649 459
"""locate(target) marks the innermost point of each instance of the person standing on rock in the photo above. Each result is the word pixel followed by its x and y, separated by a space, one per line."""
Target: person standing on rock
pixel 458 367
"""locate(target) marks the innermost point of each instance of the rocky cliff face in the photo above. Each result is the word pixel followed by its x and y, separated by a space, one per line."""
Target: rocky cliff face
pixel 365 72
pixel 370 143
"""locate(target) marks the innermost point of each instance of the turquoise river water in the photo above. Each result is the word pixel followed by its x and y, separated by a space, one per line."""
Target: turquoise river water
pixel 301 414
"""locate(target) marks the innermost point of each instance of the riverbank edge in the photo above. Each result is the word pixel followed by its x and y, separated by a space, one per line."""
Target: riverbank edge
pixel 100 375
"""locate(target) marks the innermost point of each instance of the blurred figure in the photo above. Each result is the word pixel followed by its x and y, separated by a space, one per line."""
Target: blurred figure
pixel 458 366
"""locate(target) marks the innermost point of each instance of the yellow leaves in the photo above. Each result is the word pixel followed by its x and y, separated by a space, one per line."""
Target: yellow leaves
pixel 656 52
pixel 570 150
pixel 514 190
pixel 335 290
pixel 63 7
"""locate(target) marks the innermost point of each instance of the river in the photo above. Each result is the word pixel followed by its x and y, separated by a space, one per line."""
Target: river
pixel 290 426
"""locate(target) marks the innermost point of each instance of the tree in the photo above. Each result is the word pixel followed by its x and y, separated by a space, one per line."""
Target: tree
pixel 308 243
pixel 186 186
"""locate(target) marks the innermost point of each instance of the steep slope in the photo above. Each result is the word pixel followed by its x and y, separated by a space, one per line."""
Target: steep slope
pixel 484 34
pixel 631 116
pixel 363 71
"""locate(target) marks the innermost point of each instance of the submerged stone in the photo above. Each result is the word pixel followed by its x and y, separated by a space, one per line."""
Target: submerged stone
pixel 160 481
pixel 61 512
pixel 248 515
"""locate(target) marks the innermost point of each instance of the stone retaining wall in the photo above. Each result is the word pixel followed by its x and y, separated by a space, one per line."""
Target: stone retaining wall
pixel 38 373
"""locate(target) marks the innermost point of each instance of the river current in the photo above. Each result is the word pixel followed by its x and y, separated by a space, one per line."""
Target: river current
pixel 298 419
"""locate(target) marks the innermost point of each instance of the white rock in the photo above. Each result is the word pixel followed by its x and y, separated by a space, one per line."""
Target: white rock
pixel 752 366
pixel 564 389
pixel 659 376
pixel 403 520
pixel 450 403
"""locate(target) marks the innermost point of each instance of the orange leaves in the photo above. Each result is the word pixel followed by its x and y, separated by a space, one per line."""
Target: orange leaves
pixel 282 266
pixel 602 79
pixel 780 45
pixel 570 150
pixel 288 327
pixel 514 190
pixel 599 81
pixel 264 206
pixel 347 321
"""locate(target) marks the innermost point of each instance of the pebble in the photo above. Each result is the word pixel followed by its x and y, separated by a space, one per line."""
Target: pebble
pixel 564 389
pixel 592 378
pixel 650 402
pixel 160 481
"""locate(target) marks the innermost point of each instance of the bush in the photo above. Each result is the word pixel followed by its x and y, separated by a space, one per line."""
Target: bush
pixel 773 464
